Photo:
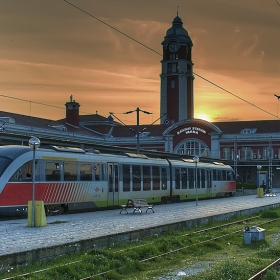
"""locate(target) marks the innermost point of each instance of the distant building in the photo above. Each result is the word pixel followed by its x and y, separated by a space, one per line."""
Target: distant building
pixel 244 144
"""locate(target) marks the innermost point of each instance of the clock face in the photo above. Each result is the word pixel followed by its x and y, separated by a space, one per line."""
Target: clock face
pixel 173 47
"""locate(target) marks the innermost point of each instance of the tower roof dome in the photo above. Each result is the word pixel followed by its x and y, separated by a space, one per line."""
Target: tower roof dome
pixel 177 31
pixel 177 28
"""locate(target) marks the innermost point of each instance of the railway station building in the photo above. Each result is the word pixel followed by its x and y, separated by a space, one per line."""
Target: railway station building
pixel 249 146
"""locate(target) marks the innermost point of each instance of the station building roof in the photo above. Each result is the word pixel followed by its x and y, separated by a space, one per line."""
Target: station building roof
pixel 99 126
pixel 256 126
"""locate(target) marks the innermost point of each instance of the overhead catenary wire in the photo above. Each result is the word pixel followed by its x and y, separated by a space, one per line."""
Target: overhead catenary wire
pixel 34 102
pixel 237 96
pixel 26 100
pixel 205 79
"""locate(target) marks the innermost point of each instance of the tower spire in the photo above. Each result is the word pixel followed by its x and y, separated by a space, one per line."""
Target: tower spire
pixel 178 11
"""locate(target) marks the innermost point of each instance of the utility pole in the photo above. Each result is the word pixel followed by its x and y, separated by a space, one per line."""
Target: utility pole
pixel 137 110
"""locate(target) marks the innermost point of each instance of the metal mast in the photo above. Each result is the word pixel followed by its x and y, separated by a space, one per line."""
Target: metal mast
pixel 235 156
pixel 270 157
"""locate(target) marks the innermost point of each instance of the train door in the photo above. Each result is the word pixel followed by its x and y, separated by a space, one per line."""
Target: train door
pixel 209 183
pixel 113 184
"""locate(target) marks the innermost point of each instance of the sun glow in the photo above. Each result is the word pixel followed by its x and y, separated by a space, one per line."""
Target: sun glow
pixel 204 116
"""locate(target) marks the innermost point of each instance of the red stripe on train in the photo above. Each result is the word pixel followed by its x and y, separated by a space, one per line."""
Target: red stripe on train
pixel 21 193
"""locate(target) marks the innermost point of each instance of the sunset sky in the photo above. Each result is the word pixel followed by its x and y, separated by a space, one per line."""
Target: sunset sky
pixel 50 50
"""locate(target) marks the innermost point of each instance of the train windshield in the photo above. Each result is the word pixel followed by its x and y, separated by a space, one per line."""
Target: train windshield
pixel 4 163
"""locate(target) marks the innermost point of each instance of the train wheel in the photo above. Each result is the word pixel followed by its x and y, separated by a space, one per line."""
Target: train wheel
pixel 52 210
pixel 65 208
pixel 163 200
pixel 47 211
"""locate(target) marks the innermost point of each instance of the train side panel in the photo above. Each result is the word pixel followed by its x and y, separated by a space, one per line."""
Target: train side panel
pixel 142 179
pixel 73 180
pixel 203 180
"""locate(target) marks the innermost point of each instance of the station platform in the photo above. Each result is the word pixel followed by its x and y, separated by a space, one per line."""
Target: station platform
pixel 70 233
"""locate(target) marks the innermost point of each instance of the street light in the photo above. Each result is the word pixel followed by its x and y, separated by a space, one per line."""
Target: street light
pixel 196 160
pixel 34 144
pixel 137 133
pixel 259 167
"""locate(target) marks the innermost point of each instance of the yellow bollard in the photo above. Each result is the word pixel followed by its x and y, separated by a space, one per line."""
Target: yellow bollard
pixel 260 192
pixel 40 219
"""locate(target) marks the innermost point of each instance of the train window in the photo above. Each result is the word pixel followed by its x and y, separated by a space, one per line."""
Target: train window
pixel 28 170
pixel 102 171
pixel 96 171
pixel 184 178
pixel 203 178
pixel 177 178
pixel 126 177
pixel 191 173
pixel 219 175
pixel 52 171
pixel 229 176
pixel 17 176
pixel 224 175
pixel 85 172
pixel 4 163
pixel 110 177
pixel 215 176
pixel 198 174
pixel 116 177
pixel 24 173
pixel 146 178
pixel 156 177
pixel 113 177
pixel 209 176
pixel 70 171
pixel 163 179
pixel 136 178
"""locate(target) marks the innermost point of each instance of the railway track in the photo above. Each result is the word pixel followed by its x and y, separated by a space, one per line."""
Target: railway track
pixel 195 235
pixel 258 276
pixel 273 265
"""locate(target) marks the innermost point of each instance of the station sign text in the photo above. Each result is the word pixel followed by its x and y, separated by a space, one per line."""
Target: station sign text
pixel 191 129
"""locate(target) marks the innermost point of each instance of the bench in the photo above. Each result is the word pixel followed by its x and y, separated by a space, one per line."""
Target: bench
pixel 137 205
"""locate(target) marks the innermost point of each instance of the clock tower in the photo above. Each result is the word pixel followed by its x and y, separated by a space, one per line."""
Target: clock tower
pixel 176 93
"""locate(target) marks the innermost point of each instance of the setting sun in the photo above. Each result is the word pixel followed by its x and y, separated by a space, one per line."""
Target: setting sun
pixel 203 116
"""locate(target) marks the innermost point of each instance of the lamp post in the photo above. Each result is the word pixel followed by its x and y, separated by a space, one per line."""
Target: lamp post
pixel 259 167
pixel 196 160
pixel 137 119
pixel 34 144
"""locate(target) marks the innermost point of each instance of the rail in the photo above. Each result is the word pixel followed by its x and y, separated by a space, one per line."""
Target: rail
pixel 264 271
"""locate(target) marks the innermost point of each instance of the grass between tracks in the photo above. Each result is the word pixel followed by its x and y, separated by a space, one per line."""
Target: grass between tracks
pixel 222 259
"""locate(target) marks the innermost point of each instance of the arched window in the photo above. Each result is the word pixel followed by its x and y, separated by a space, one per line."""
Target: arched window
pixel 193 147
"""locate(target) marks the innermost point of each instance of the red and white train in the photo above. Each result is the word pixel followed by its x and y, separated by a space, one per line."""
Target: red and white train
pixel 71 180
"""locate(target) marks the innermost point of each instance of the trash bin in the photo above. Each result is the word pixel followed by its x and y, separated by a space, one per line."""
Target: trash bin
pixel 247 236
